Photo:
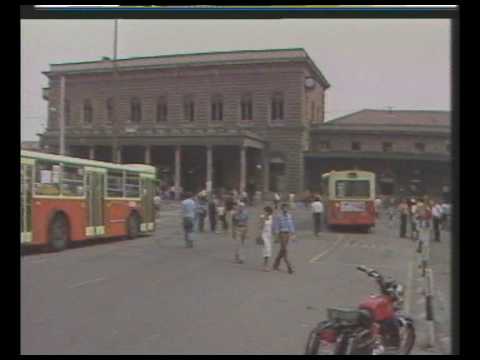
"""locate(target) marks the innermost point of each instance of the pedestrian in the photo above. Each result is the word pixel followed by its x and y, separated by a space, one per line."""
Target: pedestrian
pixel 156 202
pixel 202 211
pixel 317 213
pixel 188 214
pixel 266 223
pixel 404 211
pixel 291 200
pixel 239 231
pixel 212 213
pixel 284 229
pixel 222 215
pixel 391 213
pixel 244 197
pixel 378 204
pixel 276 200
pixel 172 192
pixel 437 220
pixel 423 216
pixel 413 219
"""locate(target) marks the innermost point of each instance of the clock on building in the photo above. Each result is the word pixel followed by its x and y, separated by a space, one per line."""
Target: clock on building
pixel 309 83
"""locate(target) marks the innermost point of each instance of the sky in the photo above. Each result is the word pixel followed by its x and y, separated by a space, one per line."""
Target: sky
pixel 370 63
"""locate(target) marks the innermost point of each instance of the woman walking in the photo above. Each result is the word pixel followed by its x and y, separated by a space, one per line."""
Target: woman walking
pixel 266 220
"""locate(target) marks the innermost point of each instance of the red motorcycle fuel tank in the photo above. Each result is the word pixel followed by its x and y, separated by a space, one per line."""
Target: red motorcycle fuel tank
pixel 380 306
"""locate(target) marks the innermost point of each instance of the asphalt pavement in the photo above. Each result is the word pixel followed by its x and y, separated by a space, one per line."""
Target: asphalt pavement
pixel 154 296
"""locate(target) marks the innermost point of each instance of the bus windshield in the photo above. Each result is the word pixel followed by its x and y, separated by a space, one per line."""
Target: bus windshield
pixel 352 188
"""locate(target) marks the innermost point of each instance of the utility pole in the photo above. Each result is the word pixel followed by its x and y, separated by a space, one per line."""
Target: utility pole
pixel 115 125
pixel 62 115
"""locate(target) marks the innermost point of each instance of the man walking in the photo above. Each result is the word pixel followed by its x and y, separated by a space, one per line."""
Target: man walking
pixel 212 213
pixel 188 212
pixel 403 210
pixel 437 220
pixel 239 231
pixel 317 211
pixel 284 228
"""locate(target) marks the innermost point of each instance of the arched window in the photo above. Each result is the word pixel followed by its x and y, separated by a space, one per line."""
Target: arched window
pixel 217 108
pixel 135 110
pixel 277 107
pixel 246 107
pixel 162 109
pixel 87 112
pixel 110 110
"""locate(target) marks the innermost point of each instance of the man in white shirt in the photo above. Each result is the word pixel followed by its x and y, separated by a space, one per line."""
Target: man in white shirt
pixel 317 211
pixel 437 219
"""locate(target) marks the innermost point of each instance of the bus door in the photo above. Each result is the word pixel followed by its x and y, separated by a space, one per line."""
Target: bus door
pixel 26 186
pixel 95 202
pixel 148 193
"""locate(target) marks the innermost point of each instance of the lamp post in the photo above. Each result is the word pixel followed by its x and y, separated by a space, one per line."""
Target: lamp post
pixel 115 155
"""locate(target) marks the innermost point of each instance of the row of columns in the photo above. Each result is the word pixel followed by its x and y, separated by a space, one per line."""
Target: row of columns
pixel 178 167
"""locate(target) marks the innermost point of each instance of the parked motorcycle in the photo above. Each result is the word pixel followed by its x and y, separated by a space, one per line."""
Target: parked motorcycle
pixel 376 327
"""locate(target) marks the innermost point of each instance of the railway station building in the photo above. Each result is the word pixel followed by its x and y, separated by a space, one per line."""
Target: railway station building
pixel 233 119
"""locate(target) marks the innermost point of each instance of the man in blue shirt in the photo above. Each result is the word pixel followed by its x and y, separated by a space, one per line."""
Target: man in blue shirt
pixel 284 228
pixel 239 230
pixel 189 208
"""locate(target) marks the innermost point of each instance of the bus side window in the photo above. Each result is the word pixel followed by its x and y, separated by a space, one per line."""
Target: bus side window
pixel 73 181
pixel 115 184
pixel 132 185
pixel 47 178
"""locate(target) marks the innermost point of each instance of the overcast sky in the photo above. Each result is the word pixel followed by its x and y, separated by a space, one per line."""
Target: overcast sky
pixel 369 63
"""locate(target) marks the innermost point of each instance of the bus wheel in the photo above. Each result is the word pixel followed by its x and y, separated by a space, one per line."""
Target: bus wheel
pixel 133 226
pixel 58 233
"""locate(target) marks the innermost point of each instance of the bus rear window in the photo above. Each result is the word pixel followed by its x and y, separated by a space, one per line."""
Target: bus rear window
pixel 352 188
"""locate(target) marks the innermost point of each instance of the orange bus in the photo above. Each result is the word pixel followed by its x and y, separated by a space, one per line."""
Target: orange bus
pixel 66 199
pixel 350 197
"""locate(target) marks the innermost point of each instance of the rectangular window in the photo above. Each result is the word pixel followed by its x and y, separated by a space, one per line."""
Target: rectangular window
pixel 217 108
pixel 189 109
pixel 110 114
pixel 47 178
pixel 356 146
pixel 387 147
pixel 87 112
pixel 420 147
pixel 162 110
pixel 246 107
pixel 135 110
pixel 277 107
pixel 115 183
pixel 73 181
pixel 352 188
pixel 132 185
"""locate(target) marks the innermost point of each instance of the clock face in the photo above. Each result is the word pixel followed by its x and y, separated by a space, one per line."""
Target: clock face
pixel 309 82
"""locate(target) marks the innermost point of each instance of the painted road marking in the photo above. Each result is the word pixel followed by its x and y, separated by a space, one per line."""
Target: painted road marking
pixel 334 246
pixel 87 282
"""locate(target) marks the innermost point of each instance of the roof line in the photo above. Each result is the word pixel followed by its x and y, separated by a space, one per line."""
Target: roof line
pixel 184 54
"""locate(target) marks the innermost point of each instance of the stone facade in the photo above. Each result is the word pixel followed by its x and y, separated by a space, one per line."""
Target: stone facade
pixel 258 117
pixel 259 76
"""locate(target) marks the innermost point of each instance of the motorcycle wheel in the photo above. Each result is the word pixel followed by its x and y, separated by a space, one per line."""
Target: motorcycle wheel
pixel 407 340
pixel 313 343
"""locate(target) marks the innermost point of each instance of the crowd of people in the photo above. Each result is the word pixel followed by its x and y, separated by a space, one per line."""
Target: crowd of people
pixel 228 212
